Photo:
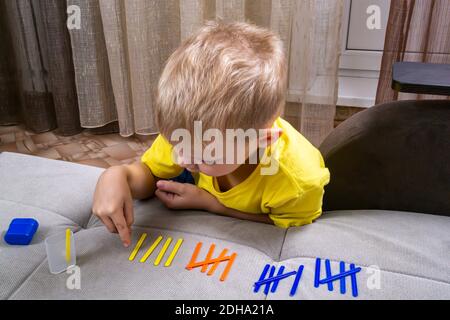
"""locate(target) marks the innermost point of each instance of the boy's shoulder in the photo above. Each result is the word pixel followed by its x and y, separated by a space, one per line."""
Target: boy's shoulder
pixel 299 161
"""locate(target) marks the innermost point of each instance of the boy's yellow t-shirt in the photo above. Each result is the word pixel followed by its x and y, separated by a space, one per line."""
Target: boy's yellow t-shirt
pixel 291 197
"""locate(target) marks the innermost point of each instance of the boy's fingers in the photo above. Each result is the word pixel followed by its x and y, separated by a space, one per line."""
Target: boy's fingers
pixel 108 224
pixel 122 227
pixel 128 210
pixel 170 186
pixel 161 195
pixel 165 197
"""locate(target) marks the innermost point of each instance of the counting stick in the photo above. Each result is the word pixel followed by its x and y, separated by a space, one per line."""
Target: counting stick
pixel 150 250
pixel 216 264
pixel 208 257
pixel 194 256
pixel 228 267
pixel 138 246
pixel 163 250
pixel 173 253
pixel 68 246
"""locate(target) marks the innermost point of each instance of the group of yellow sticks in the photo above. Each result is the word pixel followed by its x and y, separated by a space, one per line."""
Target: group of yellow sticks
pixel 153 247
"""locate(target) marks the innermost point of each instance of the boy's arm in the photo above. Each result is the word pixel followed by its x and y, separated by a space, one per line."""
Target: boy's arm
pixel 224 211
pixel 187 196
pixel 140 179
pixel 114 193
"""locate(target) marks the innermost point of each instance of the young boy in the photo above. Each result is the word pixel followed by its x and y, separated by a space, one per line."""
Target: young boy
pixel 227 76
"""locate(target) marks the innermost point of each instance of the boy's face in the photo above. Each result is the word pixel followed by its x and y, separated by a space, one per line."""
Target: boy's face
pixel 213 170
pixel 217 168
pixel 229 160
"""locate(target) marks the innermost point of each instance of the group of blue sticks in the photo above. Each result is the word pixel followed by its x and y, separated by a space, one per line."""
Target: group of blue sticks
pixel 153 247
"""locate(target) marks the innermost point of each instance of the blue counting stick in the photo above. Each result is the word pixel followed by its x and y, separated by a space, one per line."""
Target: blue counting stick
pixel 297 280
pixel 267 287
pixel 317 274
pixel 271 279
pixel 275 283
pixel 263 275
pixel 339 276
pixel 353 277
pixel 342 270
pixel 328 270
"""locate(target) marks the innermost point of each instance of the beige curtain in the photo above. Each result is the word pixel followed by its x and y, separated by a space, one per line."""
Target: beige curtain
pixel 121 48
pixel 417 31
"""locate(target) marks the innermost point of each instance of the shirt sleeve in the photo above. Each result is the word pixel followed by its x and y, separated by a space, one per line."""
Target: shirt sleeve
pixel 301 210
pixel 159 159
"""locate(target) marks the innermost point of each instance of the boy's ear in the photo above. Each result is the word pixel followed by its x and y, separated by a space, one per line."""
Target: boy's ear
pixel 270 136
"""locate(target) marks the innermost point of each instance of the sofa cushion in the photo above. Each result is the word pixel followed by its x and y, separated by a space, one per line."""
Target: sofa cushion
pixel 393 156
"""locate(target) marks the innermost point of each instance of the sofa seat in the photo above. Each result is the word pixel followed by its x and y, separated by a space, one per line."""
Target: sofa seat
pixel 410 249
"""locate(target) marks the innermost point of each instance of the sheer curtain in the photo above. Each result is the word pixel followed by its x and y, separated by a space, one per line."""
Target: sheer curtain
pixel 314 48
pixel 105 73
pixel 417 31
pixel 121 51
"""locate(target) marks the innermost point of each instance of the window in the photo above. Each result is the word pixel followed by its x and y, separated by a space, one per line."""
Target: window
pixel 361 51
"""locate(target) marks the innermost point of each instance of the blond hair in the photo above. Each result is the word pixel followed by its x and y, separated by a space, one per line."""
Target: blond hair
pixel 227 75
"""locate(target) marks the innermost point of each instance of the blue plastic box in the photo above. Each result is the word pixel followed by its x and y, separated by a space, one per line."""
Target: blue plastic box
pixel 21 231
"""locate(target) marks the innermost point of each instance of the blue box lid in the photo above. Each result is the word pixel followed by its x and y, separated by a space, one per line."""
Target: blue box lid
pixel 21 231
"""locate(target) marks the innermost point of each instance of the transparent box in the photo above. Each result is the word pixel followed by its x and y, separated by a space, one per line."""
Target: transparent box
pixel 60 251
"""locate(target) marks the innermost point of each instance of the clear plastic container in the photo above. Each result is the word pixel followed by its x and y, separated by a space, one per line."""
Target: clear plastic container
pixel 60 251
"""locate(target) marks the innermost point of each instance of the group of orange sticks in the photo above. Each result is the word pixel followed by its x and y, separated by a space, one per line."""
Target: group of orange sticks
pixel 210 260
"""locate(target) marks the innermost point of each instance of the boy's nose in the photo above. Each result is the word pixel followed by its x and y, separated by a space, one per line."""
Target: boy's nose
pixel 191 167
pixel 188 166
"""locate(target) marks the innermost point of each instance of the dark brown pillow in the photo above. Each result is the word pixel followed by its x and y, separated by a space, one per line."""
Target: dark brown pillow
pixel 393 156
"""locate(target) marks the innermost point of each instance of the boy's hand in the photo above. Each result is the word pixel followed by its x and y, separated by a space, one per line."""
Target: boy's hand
pixel 113 203
pixel 177 195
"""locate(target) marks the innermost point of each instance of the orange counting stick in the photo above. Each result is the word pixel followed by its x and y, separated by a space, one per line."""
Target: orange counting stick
pixel 194 256
pixel 208 257
pixel 201 263
pixel 228 267
pixel 216 264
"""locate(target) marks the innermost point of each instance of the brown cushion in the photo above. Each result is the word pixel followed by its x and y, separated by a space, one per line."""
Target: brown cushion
pixel 393 156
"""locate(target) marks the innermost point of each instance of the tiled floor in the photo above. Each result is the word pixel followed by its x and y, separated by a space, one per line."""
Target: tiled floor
pixel 92 149
pixel 86 148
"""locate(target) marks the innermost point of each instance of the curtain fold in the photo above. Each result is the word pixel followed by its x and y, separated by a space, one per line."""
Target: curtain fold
pixel 417 31
pixel 9 90
pixel 42 56
pixel 60 67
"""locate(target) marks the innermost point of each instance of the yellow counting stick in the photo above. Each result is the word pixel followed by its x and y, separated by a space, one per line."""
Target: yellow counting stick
pixel 150 250
pixel 138 246
pixel 173 253
pixel 163 250
pixel 68 234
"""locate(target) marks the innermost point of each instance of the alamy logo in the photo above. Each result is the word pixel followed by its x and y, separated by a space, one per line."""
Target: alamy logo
pixel 373 22
pixel 74 280
pixel 73 17
pixel 235 147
